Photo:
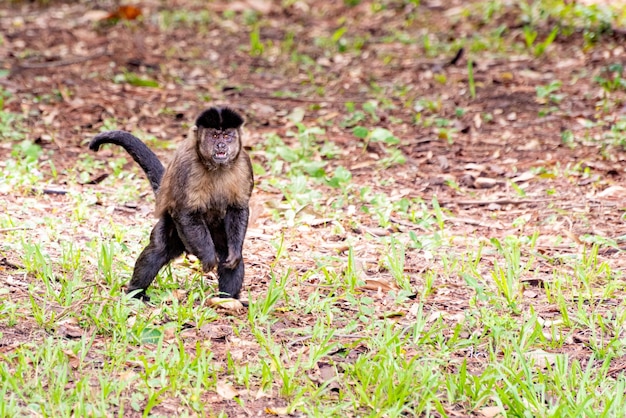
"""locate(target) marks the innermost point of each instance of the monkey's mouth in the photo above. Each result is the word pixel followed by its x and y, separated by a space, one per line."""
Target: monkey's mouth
pixel 219 157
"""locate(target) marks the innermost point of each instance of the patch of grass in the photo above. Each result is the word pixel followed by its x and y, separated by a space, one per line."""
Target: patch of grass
pixel 199 20
pixel 538 48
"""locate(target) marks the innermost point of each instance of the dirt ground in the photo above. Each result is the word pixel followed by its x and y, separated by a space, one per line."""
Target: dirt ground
pixel 511 164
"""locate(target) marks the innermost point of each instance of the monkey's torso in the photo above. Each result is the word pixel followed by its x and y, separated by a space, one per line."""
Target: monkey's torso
pixel 211 190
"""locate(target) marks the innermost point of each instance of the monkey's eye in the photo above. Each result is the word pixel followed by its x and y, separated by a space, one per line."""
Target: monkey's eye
pixel 229 136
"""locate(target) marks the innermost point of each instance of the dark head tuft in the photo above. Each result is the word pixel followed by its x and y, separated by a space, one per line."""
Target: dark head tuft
pixel 219 118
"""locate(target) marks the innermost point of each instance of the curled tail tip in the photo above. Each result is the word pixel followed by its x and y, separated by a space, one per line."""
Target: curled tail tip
pixel 94 144
pixel 103 138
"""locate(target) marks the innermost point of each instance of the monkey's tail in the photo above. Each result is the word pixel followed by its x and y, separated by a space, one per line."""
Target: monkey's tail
pixel 140 152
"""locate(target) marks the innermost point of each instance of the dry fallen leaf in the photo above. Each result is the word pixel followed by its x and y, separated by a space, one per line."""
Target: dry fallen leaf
pixel 485 183
pixel 613 192
pixel 73 359
pixel 228 304
pixel 127 376
pixel 8 347
pixel 475 167
pixel 525 176
pixel 378 285
pixel 491 412
pixel 542 358
pixel 215 331
pixel 226 390
pixel 70 329
pixel 531 145
pixel 328 374
pixel 95 15
pixel 125 13
pixel 277 410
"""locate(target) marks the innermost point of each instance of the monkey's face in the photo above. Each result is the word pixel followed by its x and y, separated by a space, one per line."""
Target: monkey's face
pixel 220 147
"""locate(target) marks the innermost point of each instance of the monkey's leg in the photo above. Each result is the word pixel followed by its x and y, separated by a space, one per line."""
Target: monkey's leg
pixel 228 244
pixel 164 246
pixel 230 280
pixel 235 225
pixel 195 235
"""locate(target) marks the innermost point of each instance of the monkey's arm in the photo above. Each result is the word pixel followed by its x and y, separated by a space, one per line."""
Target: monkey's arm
pixel 140 152
pixel 194 233
pixel 235 224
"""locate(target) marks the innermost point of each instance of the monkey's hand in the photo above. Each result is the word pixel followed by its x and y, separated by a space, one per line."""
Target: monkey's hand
pixel 209 263
pixel 195 235
pixel 232 261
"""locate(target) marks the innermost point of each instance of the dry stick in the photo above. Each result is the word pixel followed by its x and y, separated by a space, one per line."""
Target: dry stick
pixel 54 191
pixel 497 202
pixel 15 228
pixel 60 63
pixel 308 337
pixel 339 100
pixel 7 263
pixel 407 224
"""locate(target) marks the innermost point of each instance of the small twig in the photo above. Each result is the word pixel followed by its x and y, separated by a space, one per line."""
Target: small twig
pixel 308 337
pixel 15 228
pixel 496 202
pixel 407 224
pixel 338 100
pixel 7 263
pixel 60 63
pixel 54 191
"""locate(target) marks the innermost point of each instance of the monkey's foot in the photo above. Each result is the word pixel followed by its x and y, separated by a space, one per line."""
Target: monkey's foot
pixel 141 295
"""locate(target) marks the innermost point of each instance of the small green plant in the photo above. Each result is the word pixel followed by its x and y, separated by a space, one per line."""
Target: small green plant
pixel 183 18
pixel 548 96
pixel 135 80
pixel 617 134
pixel 395 262
pixel 256 45
pixel 568 139
pixel 538 49
pixel 548 93
pixel 341 178
pixel 507 277
pixel 612 80
pixel 350 273
pixel 470 78
pixel 10 124
pixel 260 309
pixel 382 136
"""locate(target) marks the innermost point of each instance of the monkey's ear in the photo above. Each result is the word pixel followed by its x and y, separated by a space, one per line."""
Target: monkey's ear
pixel 194 128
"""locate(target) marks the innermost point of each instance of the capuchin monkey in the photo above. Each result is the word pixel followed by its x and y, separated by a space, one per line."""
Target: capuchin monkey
pixel 201 199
